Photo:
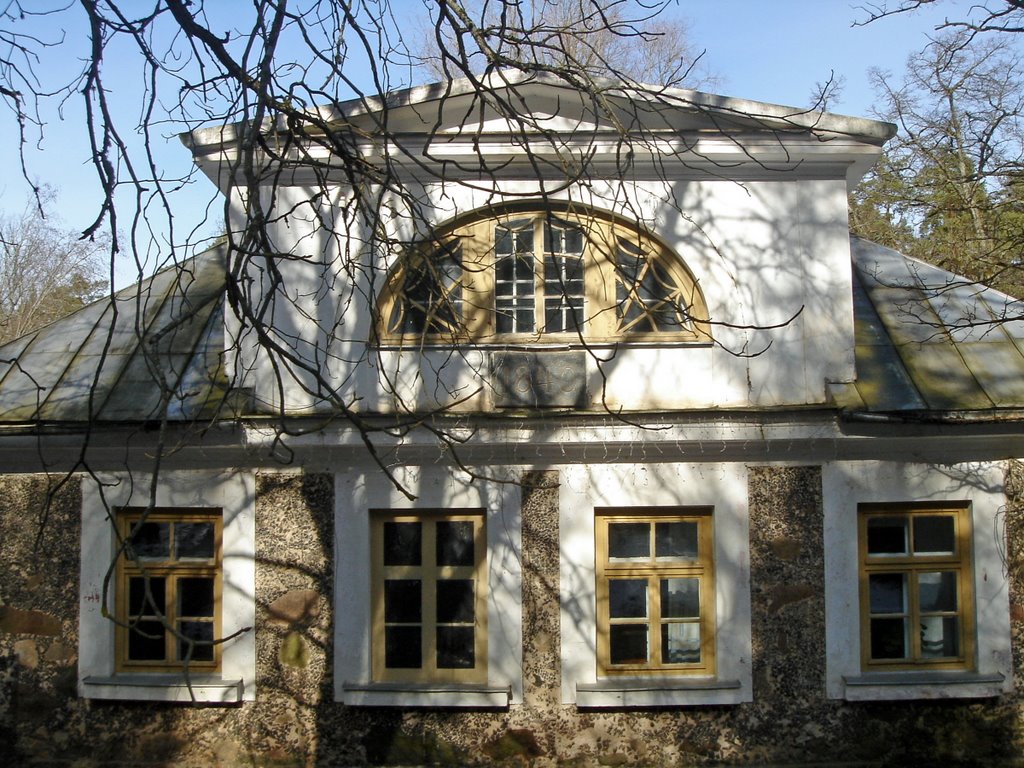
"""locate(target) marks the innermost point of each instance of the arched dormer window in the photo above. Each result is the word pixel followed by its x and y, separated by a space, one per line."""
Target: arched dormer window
pixel 541 276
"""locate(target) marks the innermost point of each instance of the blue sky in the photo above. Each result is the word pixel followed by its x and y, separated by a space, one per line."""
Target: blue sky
pixel 767 50
pixel 777 50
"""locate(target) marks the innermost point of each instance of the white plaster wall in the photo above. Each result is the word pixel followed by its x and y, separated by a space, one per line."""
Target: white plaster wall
pixel 357 492
pixel 847 484
pixel 772 258
pixel 235 493
pixel 722 486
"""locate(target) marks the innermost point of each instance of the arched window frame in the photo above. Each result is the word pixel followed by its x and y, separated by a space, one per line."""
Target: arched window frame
pixel 460 293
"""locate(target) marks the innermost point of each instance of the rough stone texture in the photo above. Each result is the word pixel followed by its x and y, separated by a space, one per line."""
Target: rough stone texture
pixel 787 575
pixel 1013 524
pixel 541 649
pixel 295 722
pixel 39 542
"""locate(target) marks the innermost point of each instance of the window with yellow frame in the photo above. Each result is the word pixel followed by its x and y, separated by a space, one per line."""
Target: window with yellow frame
pixel 169 587
pixel 542 276
pixel 916 596
pixel 429 598
pixel 655 591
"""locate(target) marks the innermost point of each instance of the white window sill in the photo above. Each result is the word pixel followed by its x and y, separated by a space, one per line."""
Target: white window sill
pixel 659 692
pixel 205 689
pixel 909 685
pixel 426 695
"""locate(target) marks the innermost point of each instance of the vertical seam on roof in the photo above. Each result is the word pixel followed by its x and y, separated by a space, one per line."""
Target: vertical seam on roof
pixel 76 355
pixel 140 336
pixel 883 328
pixel 15 360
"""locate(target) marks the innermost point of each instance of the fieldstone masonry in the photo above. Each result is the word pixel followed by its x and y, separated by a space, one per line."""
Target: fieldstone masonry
pixel 294 722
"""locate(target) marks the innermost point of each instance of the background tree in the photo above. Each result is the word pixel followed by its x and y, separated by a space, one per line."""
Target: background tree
pixel 976 17
pixel 46 271
pixel 943 192
pixel 600 39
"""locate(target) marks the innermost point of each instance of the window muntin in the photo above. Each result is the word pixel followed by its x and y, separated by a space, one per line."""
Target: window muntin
pixel 168 592
pixel 432 295
pixel 917 606
pixel 429 596
pixel 542 276
pixel 655 592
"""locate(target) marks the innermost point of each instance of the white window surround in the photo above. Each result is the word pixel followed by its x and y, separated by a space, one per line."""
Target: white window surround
pixel 234 493
pixel 721 486
pixel 846 485
pixel 359 491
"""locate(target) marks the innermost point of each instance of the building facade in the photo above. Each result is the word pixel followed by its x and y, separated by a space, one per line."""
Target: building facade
pixel 599 445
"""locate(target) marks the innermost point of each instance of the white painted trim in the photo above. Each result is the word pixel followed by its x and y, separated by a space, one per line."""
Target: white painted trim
pixel 234 493
pixel 174 688
pixel 384 695
pixel 645 692
pixel 846 485
pixel 359 491
pixel 722 486
pixel 908 686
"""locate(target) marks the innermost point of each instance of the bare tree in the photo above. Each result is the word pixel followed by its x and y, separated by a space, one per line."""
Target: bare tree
pixel 308 85
pixel 949 175
pixel 46 271
pixel 978 17
pixel 641 44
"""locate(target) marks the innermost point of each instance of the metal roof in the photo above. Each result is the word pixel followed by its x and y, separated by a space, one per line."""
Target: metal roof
pixel 927 343
pixel 152 347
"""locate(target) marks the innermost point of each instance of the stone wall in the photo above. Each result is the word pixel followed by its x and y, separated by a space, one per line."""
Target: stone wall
pixel 294 722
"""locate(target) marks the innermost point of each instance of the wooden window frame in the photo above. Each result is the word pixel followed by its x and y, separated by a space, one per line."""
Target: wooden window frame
pixel 172 570
pixel 474 240
pixel 912 565
pixel 428 573
pixel 703 567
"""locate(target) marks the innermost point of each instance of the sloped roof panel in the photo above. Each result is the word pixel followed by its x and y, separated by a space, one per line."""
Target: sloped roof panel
pixel 946 333
pixel 113 359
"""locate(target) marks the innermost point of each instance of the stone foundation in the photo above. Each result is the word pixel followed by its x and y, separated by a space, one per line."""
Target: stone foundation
pixel 294 721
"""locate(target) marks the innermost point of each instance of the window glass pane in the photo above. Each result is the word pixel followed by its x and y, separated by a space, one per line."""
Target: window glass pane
pixel 454 542
pixel 627 598
pixel 402 543
pixel 402 648
pixel 629 540
pixel 146 642
pixel 514 278
pixel 675 541
pixel 934 535
pixel 151 540
pixel 680 598
pixel 402 601
pixel 562 238
pixel 680 643
pixel 940 637
pixel 138 605
pixel 647 298
pixel 563 293
pixel 455 601
pixel 455 648
pixel 514 294
pixel 194 540
pixel 514 237
pixel 195 596
pixel 888 639
pixel 887 535
pixel 431 300
pixel 202 633
pixel 937 591
pixel 627 644
pixel 888 592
